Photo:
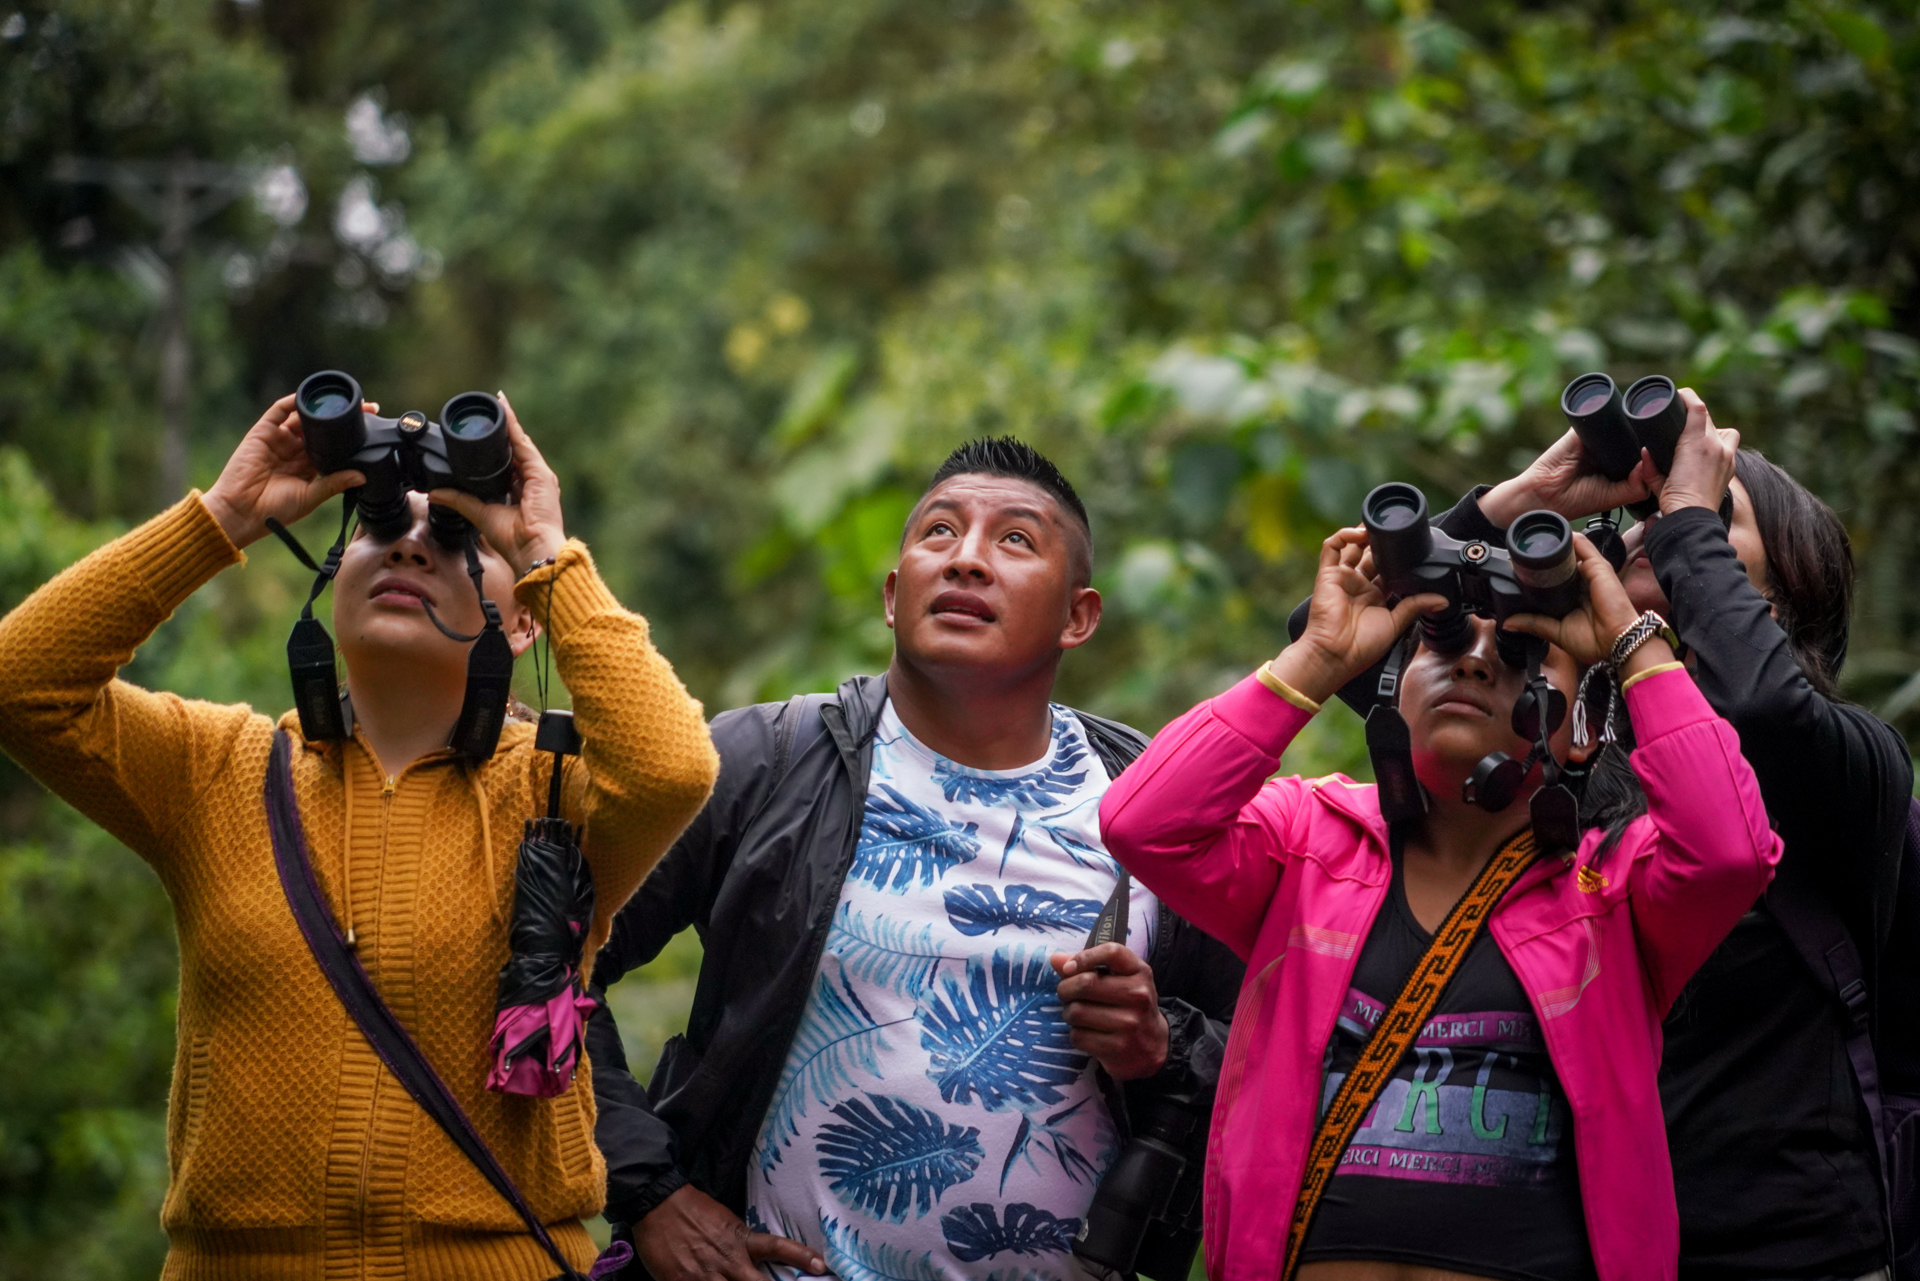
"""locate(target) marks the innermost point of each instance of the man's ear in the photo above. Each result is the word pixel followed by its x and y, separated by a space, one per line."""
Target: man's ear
pixel 1083 618
pixel 523 633
pixel 886 594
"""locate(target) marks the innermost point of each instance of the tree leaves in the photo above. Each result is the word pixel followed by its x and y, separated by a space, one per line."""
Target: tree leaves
pixel 999 1035
pixel 886 1156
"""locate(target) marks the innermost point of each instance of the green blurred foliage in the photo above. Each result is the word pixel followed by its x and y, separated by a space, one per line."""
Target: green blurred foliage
pixel 750 270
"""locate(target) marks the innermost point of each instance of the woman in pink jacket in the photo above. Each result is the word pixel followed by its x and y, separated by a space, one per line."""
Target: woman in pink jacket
pixel 1520 1135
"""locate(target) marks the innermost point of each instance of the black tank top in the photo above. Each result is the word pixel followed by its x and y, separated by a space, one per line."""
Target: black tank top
pixel 1466 1160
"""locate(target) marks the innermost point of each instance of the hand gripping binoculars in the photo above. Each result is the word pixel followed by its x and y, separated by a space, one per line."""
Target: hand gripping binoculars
pixel 1536 573
pixel 1613 426
pixel 468 449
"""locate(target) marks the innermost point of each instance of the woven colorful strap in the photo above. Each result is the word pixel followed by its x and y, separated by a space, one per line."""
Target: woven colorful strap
pixel 1395 1032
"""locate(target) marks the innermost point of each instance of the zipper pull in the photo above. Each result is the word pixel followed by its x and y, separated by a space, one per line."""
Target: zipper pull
pixel 386 789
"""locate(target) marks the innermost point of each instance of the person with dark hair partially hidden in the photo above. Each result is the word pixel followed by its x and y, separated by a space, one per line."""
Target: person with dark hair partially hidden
pixel 1776 1165
pixel 903 1058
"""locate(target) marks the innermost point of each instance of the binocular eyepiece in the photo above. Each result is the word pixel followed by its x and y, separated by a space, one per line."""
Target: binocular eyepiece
pixel 1614 427
pixel 468 450
pixel 1536 573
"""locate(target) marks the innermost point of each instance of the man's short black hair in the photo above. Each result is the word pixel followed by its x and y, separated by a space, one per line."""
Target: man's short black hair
pixel 1014 459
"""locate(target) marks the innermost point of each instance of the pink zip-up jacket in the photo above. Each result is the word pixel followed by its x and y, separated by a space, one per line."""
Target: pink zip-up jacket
pixel 1290 874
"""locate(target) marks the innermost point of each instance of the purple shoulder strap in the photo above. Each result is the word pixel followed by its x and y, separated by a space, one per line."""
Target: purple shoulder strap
pixel 384 1032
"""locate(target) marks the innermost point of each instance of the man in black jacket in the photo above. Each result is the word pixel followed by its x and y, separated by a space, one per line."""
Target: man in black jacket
pixel 1774 1159
pixel 900 1053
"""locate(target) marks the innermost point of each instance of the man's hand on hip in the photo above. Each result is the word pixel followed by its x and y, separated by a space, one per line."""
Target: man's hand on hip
pixel 1114 1016
pixel 692 1237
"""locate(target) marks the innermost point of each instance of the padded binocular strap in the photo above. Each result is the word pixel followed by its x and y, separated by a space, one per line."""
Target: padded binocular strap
pixel 1395 1032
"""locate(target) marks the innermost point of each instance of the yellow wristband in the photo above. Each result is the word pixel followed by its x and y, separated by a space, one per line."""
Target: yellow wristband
pixel 1655 670
pixel 1265 673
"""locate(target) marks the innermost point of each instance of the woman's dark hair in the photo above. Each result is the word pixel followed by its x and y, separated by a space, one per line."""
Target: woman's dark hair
pixel 1809 567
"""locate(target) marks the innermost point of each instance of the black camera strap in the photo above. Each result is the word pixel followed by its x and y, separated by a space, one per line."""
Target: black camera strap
pixel 316 682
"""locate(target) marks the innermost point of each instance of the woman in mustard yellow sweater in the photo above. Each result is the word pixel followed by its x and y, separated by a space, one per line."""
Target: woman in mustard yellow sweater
pixel 294 1153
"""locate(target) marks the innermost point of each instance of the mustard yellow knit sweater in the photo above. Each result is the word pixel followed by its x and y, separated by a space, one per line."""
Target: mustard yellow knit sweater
pixel 293 1152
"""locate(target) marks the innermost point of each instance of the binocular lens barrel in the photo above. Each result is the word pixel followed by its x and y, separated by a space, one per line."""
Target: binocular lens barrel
pixel 1541 545
pixel 1395 515
pixel 478 449
pixel 1592 405
pixel 1657 414
pixel 331 419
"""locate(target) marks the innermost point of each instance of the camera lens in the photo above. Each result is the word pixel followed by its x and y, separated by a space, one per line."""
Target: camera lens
pixel 1591 404
pixel 331 421
pixel 1395 515
pixel 1657 414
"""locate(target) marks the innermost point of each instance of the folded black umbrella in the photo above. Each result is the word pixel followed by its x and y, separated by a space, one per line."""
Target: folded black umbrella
pixel 540 1016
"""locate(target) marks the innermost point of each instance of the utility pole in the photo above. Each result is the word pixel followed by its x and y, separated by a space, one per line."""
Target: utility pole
pixel 176 196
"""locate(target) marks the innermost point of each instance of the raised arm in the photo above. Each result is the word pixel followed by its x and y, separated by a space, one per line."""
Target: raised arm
pixel 133 761
pixel 1712 851
pixel 1191 817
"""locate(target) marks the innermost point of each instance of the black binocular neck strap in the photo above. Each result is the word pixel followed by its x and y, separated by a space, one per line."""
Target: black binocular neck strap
pixel 477 572
pixel 323 573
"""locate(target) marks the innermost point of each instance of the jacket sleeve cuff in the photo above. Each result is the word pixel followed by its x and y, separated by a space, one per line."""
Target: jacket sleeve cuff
pixel 635 1208
pixel 568 592
pixel 1260 715
pixel 1674 528
pixel 178 551
pixel 1665 701
pixel 1465 521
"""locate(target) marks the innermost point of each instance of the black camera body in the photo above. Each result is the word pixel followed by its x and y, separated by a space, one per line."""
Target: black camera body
pixel 468 450
pixel 1536 573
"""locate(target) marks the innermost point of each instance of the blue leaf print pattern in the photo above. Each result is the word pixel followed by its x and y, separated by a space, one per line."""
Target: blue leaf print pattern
pixel 852 1259
pixel 1070 842
pixel 974 1232
pixel 1035 790
pixel 885 1156
pixel 1000 1036
pixel 1049 1134
pixel 908 843
pixel 836 1038
pixel 886 951
pixel 978 909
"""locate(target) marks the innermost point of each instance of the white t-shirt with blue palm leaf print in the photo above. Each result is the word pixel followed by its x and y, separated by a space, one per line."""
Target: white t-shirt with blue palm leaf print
pixel 933 1120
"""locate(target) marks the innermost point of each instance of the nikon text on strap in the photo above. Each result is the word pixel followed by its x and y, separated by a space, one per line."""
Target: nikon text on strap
pixel 1395 1032
pixel 350 982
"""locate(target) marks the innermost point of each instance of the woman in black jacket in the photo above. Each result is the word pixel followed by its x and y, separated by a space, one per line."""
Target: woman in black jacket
pixel 1773 1156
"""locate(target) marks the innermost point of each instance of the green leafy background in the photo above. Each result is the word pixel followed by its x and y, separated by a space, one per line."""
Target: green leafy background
pixel 750 270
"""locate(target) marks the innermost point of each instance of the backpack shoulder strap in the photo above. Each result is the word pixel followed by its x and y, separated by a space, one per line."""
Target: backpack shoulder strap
pixel 350 982
pixel 1824 943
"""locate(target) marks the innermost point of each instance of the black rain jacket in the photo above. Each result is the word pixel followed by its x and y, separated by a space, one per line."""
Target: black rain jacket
pixel 758 875
pixel 1772 1155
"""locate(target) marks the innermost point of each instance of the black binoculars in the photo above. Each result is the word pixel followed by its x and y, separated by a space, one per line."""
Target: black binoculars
pixel 1614 426
pixel 1536 573
pixel 468 450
